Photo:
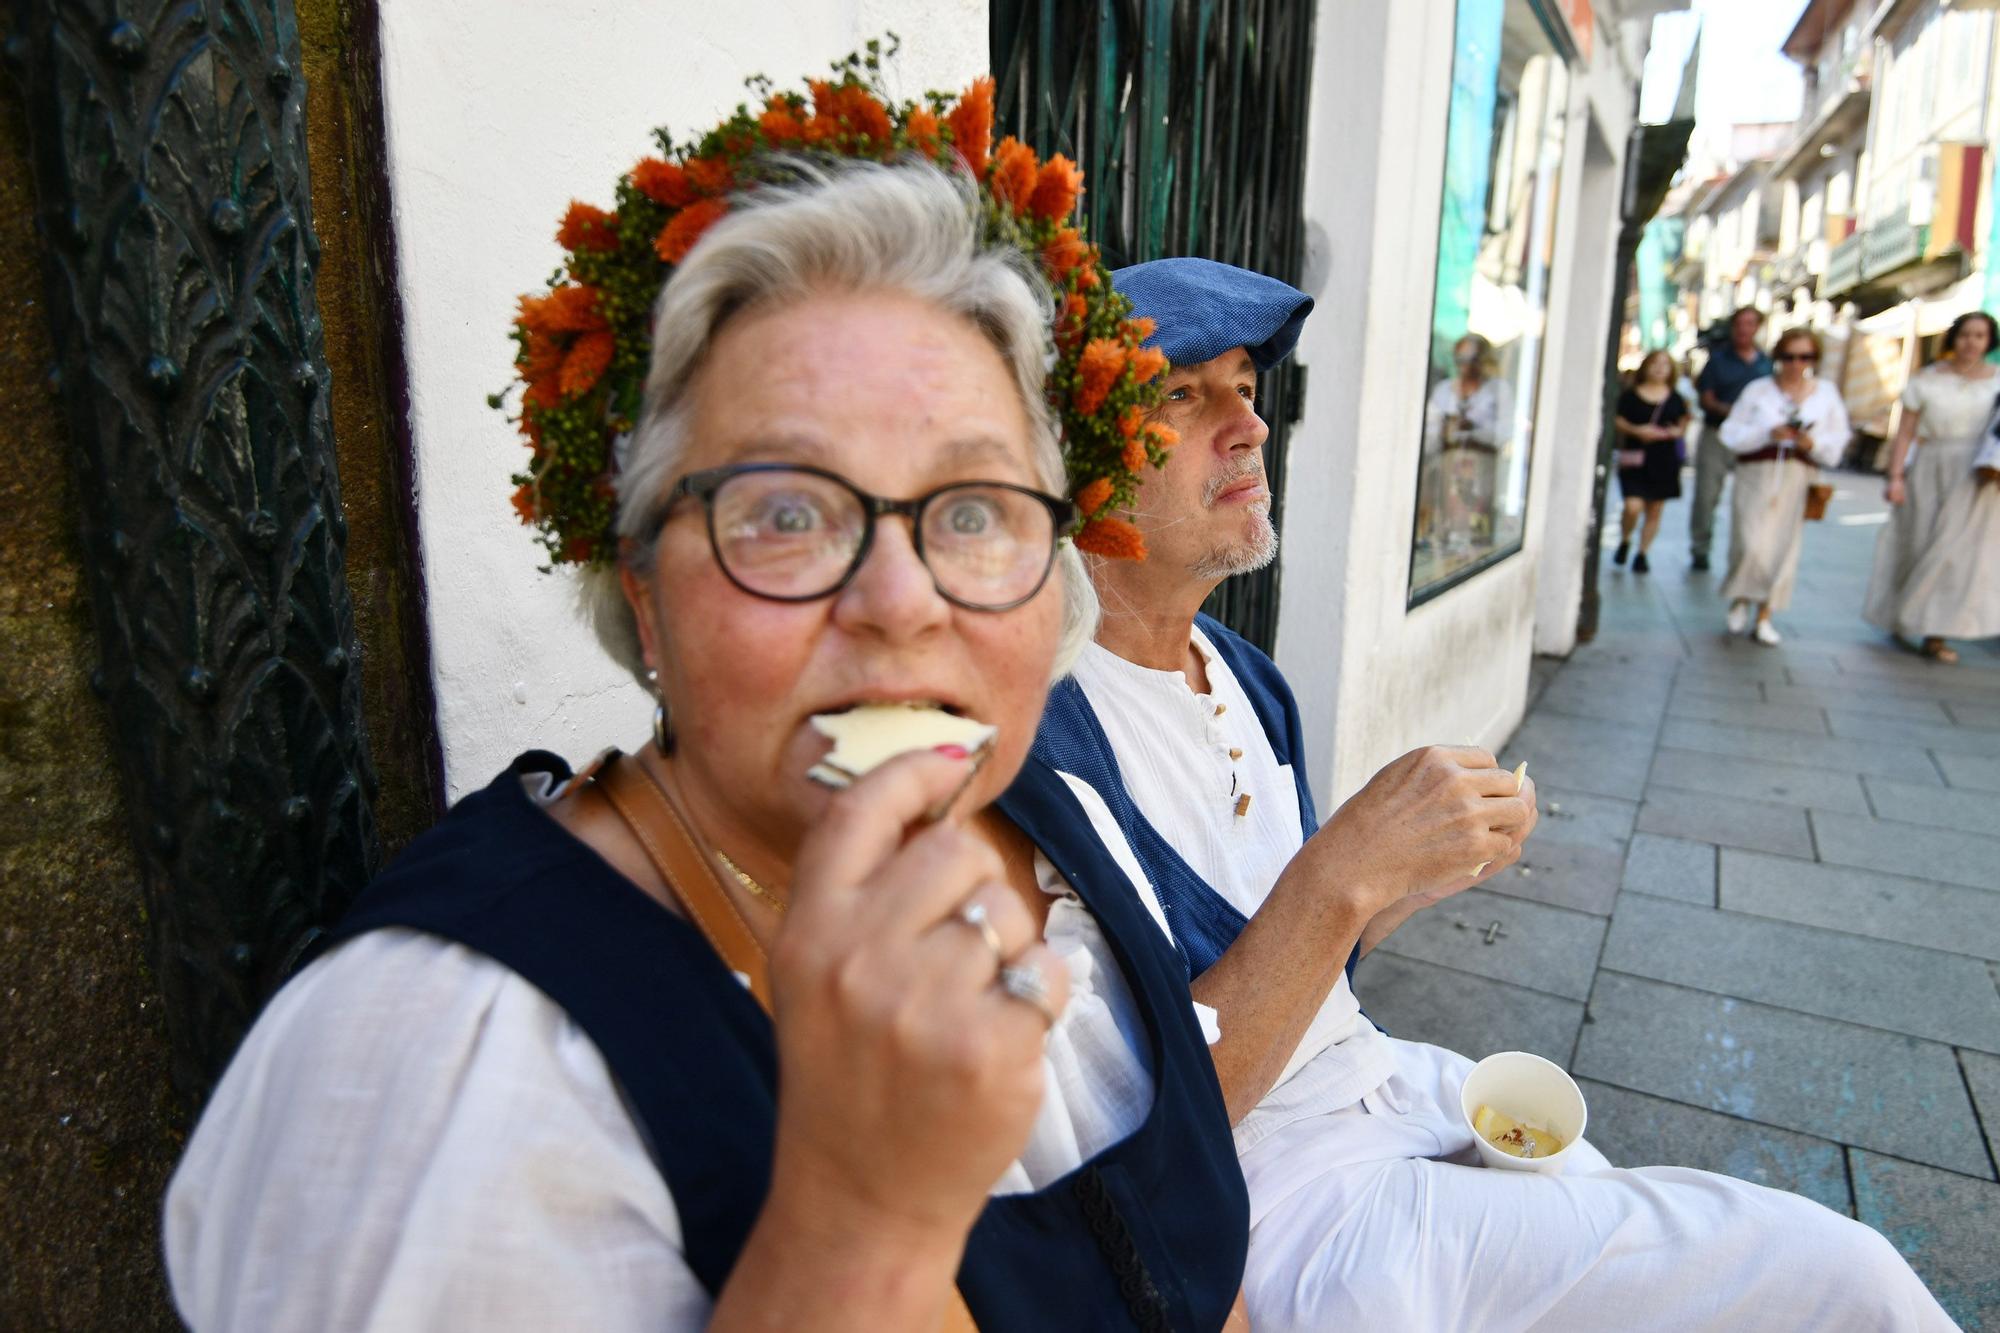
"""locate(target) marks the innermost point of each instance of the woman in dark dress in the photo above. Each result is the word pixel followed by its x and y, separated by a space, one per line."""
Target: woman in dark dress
pixel 1651 422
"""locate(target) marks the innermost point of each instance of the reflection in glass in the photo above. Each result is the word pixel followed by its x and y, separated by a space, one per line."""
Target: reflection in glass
pixel 1503 161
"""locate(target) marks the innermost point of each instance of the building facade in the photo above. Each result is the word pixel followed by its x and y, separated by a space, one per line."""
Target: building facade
pixel 1462 175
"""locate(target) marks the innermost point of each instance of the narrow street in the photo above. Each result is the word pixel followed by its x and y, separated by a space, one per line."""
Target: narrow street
pixel 1760 921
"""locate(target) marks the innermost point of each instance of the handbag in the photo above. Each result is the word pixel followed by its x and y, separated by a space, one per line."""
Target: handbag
pixel 1817 496
pixel 1635 455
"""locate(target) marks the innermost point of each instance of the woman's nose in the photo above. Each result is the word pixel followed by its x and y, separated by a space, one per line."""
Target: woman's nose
pixel 893 592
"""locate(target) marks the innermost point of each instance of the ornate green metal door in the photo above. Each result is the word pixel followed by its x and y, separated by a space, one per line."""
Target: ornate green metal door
pixel 1189 118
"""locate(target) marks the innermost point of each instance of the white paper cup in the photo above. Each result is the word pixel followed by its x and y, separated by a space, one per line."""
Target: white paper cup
pixel 1529 1089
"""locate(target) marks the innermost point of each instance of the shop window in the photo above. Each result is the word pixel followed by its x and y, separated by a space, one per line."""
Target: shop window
pixel 1503 162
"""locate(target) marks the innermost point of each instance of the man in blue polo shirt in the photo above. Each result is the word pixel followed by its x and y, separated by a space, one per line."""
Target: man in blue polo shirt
pixel 1367 1207
pixel 1731 366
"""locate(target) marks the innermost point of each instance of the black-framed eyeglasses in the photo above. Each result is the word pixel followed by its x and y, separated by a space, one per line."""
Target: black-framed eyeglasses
pixel 1798 356
pixel 792 533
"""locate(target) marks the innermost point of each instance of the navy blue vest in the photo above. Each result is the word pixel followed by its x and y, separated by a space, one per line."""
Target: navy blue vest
pixel 1072 740
pixel 1151 1233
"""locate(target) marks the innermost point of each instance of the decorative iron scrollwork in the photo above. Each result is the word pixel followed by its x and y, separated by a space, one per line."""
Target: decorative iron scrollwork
pixel 170 169
pixel 1189 120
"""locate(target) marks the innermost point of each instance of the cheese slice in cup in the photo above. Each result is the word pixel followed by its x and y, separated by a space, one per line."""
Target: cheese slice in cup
pixel 870 735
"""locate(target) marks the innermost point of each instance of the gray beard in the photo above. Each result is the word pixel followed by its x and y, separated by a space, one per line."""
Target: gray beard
pixel 1241 557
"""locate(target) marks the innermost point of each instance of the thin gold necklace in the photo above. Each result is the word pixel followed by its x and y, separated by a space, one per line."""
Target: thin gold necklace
pixel 757 890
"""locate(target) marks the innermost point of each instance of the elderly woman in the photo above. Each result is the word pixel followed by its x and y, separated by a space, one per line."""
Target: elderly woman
pixel 1468 423
pixel 1783 429
pixel 1945 410
pixel 532 1086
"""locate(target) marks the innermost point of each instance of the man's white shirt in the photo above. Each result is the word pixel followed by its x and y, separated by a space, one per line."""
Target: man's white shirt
pixel 1188 760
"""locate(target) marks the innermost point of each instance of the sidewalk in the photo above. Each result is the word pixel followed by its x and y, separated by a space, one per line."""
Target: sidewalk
pixel 1760 919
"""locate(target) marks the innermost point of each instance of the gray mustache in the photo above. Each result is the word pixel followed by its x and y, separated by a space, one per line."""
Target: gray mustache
pixel 1216 485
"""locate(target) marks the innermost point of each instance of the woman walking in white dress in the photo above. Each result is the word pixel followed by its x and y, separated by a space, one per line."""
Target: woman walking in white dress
pixel 1783 429
pixel 1926 586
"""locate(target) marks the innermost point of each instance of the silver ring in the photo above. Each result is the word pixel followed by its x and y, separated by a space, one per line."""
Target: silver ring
pixel 976 916
pixel 1028 985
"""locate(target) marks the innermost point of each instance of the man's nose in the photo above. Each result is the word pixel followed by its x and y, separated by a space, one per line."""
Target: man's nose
pixel 1244 429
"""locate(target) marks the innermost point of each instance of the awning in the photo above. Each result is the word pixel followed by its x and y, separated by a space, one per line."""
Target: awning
pixel 1934 314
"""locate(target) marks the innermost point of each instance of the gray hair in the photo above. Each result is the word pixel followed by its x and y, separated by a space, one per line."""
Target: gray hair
pixel 853 226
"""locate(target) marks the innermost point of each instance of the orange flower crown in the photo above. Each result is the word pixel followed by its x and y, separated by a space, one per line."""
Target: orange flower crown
pixel 585 343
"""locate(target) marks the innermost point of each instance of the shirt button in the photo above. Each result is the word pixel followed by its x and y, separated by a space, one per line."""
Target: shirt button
pixel 1235 753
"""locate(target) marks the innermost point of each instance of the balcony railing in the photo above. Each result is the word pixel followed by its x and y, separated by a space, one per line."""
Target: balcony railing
pixel 1843 267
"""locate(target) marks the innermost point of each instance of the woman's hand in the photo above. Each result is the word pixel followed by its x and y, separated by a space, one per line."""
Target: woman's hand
pixel 910 1078
pixel 1894 491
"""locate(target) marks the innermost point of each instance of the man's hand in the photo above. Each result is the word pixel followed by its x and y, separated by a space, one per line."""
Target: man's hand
pixel 1420 827
pixel 1987 476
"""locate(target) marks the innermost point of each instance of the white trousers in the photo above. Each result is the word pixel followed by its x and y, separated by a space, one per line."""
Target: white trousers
pixel 1376 1216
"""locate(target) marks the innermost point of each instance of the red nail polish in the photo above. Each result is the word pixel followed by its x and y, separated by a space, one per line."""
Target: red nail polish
pixel 952 751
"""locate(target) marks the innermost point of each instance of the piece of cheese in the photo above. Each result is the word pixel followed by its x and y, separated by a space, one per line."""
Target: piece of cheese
pixel 866 737
pixel 1512 1137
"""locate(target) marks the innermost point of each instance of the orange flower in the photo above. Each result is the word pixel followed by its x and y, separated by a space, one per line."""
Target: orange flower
pixel 685 228
pixel 524 503
pixel 1112 538
pixel 663 183
pixel 588 356
pixel 1065 251
pixel 1087 276
pixel 1164 437
pixel 971 124
pixel 1135 455
pixel 587 228
pixel 1056 189
pixel 1071 323
pixel 866 115
pixel 570 308
pixel 1139 328
pixel 1102 362
pixel 1014 171
pixel 710 175
pixel 1093 496
pixel 1130 420
pixel 922 129
pixel 579 549
pixel 780 122
pixel 846 108
pixel 540 358
pixel 1146 363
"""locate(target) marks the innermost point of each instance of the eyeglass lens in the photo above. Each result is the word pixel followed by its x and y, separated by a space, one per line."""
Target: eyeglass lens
pixel 796 535
pixel 1798 356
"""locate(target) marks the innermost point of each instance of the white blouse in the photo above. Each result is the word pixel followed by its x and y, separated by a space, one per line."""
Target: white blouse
pixel 1763 407
pixel 1487 412
pixel 1953 407
pixel 414 1137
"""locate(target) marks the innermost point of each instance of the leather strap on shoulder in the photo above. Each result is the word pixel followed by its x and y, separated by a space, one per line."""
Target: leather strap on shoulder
pixel 656 820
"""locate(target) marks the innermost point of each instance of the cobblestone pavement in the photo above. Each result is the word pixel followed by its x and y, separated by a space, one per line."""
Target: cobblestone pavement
pixel 1761 917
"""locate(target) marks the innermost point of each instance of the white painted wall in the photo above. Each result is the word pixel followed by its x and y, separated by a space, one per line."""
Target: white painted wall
pixel 499 112
pixel 1373 678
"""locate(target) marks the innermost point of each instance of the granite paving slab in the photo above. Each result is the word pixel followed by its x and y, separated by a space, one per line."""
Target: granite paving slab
pixel 1984 716
pixel 1819 1076
pixel 1933 686
pixel 1928 853
pixel 1759 780
pixel 1420 1001
pixel 1728 820
pixel 1747 713
pixel 1850 725
pixel 1634 1129
pixel 1583 879
pixel 1971 771
pixel 1671 868
pixel 1878 983
pixel 1982 1079
pixel 1859 700
pixel 1578 754
pixel 1943 1224
pixel 1948 917
pixel 1692 684
pixel 1918 803
pixel 1608 696
pixel 1908 762
pixel 1493 935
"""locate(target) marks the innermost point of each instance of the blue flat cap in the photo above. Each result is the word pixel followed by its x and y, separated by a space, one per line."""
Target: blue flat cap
pixel 1202 309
